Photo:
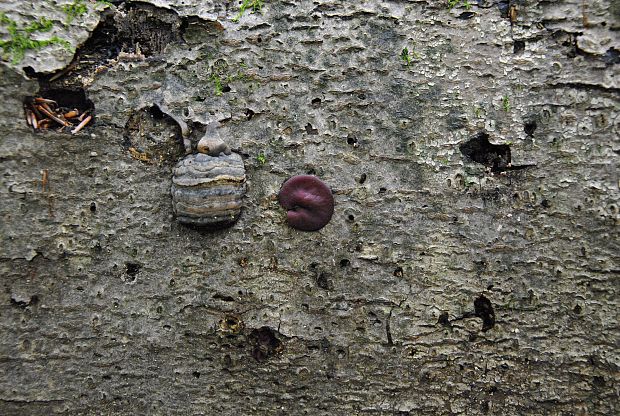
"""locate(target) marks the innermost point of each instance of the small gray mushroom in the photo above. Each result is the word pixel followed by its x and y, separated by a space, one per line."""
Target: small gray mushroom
pixel 211 144
pixel 208 187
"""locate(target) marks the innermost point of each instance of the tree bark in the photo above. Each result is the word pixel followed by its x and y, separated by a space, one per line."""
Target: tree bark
pixel 471 265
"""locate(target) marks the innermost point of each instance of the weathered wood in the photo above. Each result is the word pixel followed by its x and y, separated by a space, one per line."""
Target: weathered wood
pixel 463 272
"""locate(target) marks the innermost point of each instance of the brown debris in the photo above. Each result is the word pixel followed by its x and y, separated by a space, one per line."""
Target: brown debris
pixel 42 114
pixel 82 124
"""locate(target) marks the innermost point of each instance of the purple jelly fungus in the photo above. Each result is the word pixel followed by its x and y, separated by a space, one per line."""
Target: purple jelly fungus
pixel 308 201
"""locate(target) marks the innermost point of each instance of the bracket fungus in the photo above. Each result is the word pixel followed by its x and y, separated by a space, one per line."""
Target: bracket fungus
pixel 308 201
pixel 208 186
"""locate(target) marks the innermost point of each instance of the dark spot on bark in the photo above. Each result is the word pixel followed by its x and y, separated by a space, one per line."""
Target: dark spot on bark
pixel 132 270
pixel 545 203
pixel 480 150
pixel 23 303
pixel 351 218
pixel 345 263
pixel 320 345
pixel 577 309
pixel 504 7
pixel 398 272
pixel 611 57
pixel 518 46
pixel 362 178
pixel 323 281
pixel 382 190
pixel 456 120
pixel 30 72
pixel 351 140
pixel 598 381
pixel 265 343
pixel 529 127
pixel 466 15
pixel 311 130
pixel 196 374
pixel 316 102
pixel 249 114
pixel 483 309
pixel 225 298
pixel 93 207
pixel 444 319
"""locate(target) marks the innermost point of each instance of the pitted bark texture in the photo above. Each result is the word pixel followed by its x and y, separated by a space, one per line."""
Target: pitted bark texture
pixel 471 265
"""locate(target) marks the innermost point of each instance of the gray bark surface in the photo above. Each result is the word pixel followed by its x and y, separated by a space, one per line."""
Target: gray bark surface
pixel 456 277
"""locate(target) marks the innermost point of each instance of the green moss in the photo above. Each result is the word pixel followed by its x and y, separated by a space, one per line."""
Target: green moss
pixel 253 5
pixel 20 39
pixel 506 103
pixel 220 79
pixel 408 56
pixel 217 84
pixel 75 9
pixel 454 3
pixel 261 159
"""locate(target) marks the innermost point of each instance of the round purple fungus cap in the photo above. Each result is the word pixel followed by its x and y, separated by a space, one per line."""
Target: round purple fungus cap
pixel 309 202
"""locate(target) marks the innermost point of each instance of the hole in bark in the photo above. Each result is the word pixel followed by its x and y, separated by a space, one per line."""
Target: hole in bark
pixel 316 102
pixel 345 263
pixel 265 343
pixel 132 270
pixel 352 141
pixel 362 178
pixel 466 15
pixel 93 207
pixel 323 281
pixel 249 114
pixel 398 272
pixel 382 190
pixel 196 374
pixel 136 28
pixel 529 127
pixel 311 130
pixel 444 319
pixel 480 150
pixel 504 7
pixel 351 217
pixel 23 302
pixel 577 309
pixel 55 108
pixel 151 136
pixel 224 298
pixel 518 46
pixel 483 309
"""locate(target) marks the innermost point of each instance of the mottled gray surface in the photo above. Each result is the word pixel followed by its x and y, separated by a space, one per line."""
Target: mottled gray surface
pixel 439 286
